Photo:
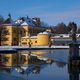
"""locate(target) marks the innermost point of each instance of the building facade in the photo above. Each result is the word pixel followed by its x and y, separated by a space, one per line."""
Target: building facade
pixel 15 34
pixel 9 35
pixel 42 39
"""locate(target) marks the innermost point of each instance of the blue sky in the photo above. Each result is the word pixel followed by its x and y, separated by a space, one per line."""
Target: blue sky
pixel 50 11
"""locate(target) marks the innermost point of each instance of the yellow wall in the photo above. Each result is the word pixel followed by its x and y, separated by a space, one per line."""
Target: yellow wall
pixel 40 40
pixel 25 30
pixel 15 35
pixel 25 41
pixel 30 31
pixel 43 39
pixel 6 35
pixel 9 35
pixel 34 41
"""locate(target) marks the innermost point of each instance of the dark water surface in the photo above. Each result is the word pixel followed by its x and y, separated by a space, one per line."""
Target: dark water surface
pixel 17 66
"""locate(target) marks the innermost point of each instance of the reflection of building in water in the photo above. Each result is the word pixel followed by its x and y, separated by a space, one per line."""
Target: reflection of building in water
pixel 34 69
pixel 28 59
pixel 9 59
pixel 21 58
pixel 25 68
pixel 14 59
pixel 35 56
pixel 39 52
pixel 26 64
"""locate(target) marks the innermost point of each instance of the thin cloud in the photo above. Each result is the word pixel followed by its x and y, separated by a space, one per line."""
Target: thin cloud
pixel 63 14
pixel 53 18
pixel 41 11
pixel 33 10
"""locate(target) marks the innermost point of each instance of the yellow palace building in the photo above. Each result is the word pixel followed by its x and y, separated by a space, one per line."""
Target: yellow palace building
pixel 12 34
pixel 42 39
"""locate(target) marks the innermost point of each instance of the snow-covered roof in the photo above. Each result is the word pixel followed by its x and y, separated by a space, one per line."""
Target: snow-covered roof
pixel 33 37
pixel 27 21
pixel 24 21
pixel 29 37
pixel 44 33
pixel 25 37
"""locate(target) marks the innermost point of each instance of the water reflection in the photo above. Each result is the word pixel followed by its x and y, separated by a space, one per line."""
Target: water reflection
pixel 59 54
pixel 22 64
pixel 18 59
pixel 74 69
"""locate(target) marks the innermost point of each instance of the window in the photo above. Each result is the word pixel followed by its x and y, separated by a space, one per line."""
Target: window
pixel 31 43
pixel 22 39
pixel 5 44
pixel 5 32
pixel 4 39
pixel 5 59
pixel 26 39
pixel 35 41
pixel 14 31
pixel 14 61
pixel 15 39
pixel 24 43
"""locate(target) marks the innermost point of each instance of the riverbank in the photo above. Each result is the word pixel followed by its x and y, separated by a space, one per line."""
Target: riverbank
pixel 9 48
